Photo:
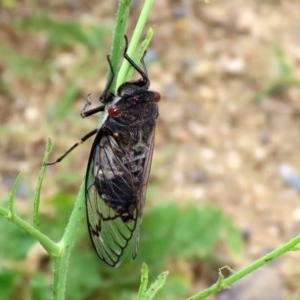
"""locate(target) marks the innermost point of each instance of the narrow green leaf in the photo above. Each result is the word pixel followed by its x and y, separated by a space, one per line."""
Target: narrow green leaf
pixel 37 193
pixel 156 285
pixel 12 195
pixel 139 53
pixel 144 281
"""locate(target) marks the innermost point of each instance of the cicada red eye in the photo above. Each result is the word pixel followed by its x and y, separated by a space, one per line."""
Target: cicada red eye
pixel 156 96
pixel 114 111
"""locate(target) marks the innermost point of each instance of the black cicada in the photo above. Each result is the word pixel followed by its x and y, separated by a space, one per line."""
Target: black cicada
pixel 119 165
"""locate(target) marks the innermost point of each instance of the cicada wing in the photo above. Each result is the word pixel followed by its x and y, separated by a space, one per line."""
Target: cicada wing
pixel 145 172
pixel 116 184
pixel 142 188
pixel 112 215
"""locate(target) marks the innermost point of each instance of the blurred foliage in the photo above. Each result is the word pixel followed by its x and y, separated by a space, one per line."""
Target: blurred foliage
pixel 8 3
pixel 31 68
pixel 169 233
pixel 62 108
pixel 285 77
pixel 65 34
pixel 54 37
pixel 15 243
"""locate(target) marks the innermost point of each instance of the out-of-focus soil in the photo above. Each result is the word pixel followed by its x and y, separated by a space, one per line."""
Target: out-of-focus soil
pixel 222 135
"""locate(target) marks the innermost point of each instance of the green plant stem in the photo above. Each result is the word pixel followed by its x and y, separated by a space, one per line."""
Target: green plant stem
pixel 118 39
pixel 61 263
pixel 134 40
pixel 218 286
pixel 51 247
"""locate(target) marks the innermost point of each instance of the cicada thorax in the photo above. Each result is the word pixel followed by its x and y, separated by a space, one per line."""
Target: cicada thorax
pixel 131 119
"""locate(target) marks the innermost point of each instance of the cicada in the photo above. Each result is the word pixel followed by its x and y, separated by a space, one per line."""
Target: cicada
pixel 119 164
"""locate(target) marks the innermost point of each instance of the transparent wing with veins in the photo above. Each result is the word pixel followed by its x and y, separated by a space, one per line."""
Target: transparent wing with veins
pixel 116 183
